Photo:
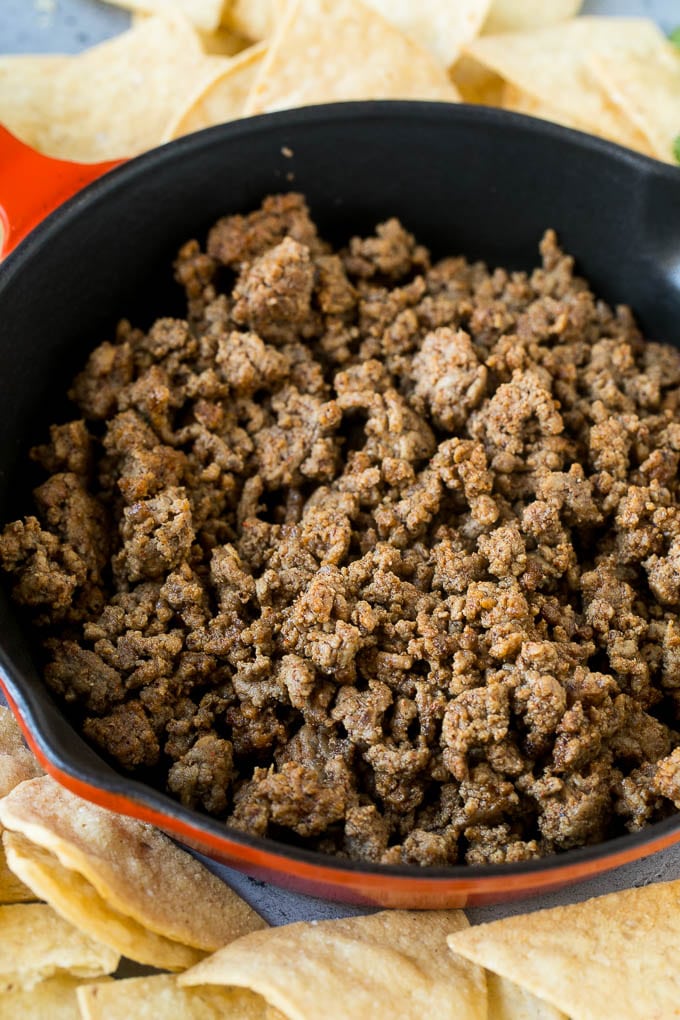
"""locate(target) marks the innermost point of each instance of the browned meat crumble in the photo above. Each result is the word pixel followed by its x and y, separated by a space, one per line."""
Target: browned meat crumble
pixel 372 554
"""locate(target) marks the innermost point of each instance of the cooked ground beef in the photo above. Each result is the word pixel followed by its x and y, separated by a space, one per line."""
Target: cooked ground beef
pixel 373 554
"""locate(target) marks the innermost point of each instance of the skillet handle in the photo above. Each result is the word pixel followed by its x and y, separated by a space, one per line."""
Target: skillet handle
pixel 33 185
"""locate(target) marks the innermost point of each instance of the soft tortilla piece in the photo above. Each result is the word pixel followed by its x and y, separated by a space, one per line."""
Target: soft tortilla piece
pixel 143 74
pixel 134 867
pixel 148 998
pixel 646 89
pixel 222 99
pixel 389 964
pixel 54 999
pixel 515 15
pixel 12 889
pixel 442 27
pixel 78 902
pixel 205 14
pixel 552 65
pixel 35 944
pixel 509 1001
pixel 328 50
pixel 607 957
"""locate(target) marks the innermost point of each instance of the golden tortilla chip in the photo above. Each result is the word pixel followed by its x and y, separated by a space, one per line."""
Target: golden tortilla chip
pixel 389 964
pixel 519 101
pixel 54 999
pixel 508 1001
pixel 143 75
pixel 608 957
pixel 647 90
pixel 136 869
pixel 16 761
pixel 552 65
pixel 78 902
pixel 35 944
pixel 328 50
pixel 515 15
pixel 255 19
pixel 441 26
pixel 205 14
pixel 12 889
pixel 150 998
pixel 476 83
pixel 221 100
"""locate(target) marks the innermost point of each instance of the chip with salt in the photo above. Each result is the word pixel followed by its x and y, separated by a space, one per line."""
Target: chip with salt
pixel 607 957
pixel 148 998
pixel 78 902
pixel 551 64
pixel 515 15
pixel 53 999
pixel 205 14
pixel 393 963
pixel 136 869
pixel 328 50
pixel 35 944
pixel 647 89
pixel 112 101
pixel 222 99
pixel 440 26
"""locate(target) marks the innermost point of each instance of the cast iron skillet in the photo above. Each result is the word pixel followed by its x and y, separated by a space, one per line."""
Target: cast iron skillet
pixel 464 180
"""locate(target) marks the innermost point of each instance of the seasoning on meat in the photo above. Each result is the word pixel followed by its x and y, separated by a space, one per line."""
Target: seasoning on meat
pixel 371 554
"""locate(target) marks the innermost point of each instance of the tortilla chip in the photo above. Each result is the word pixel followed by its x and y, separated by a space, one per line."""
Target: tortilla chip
pixel 476 83
pixel 223 43
pixel 35 944
pixel 515 15
pixel 608 957
pixel 78 902
pixel 552 65
pixel 255 19
pixel 221 100
pixel 647 90
pixel 390 964
pixel 518 101
pixel 148 998
pixel 54 999
pixel 16 761
pixel 12 889
pixel 143 74
pixel 442 27
pixel 135 868
pixel 205 14
pixel 327 50
pixel 508 1001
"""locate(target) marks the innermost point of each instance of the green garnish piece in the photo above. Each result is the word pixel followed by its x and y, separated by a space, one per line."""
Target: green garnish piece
pixel 674 36
pixel 676 148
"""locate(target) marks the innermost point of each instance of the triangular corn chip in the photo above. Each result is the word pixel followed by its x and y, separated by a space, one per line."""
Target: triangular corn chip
pixel 647 90
pixel 78 902
pixel 515 15
pixel 552 65
pixel 441 26
pixel 152 998
pixel 387 964
pixel 328 50
pixel 614 956
pixel 135 868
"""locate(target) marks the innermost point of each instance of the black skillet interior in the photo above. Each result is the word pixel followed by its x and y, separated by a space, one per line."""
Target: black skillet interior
pixel 464 179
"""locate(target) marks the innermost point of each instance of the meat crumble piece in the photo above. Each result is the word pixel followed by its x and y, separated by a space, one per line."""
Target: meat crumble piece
pixel 371 554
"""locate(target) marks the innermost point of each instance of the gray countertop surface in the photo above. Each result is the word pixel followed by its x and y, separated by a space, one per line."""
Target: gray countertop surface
pixel 67 26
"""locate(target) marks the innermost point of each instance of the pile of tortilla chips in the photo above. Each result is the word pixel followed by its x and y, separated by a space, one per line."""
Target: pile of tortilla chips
pixel 190 64
pixel 111 886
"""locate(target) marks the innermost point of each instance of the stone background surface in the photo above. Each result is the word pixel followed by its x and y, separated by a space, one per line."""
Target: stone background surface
pixel 67 26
